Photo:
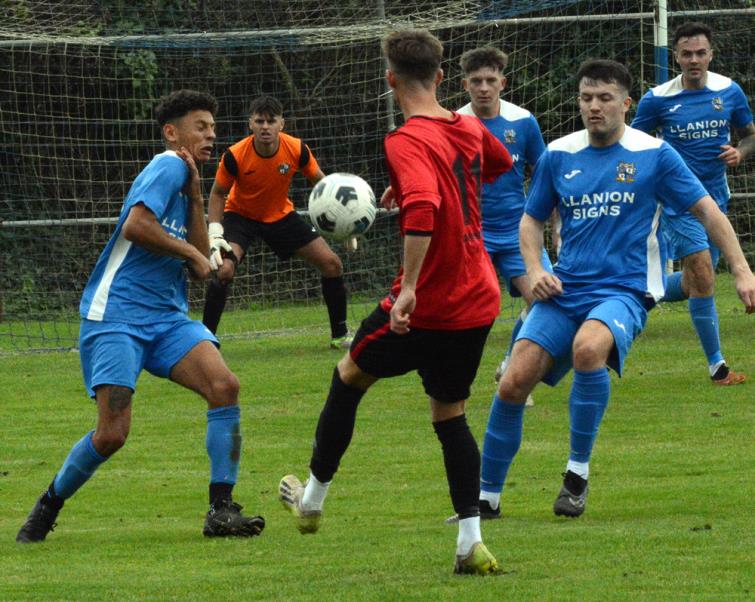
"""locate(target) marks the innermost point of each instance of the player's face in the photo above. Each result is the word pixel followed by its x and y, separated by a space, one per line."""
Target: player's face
pixel 266 128
pixel 484 86
pixel 195 131
pixel 693 55
pixel 603 107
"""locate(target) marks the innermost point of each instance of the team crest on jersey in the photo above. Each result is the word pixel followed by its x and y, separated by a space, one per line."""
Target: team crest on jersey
pixel 509 136
pixel 283 168
pixel 625 172
pixel 718 103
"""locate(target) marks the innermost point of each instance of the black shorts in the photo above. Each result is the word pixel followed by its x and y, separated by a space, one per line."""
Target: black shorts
pixel 446 360
pixel 284 237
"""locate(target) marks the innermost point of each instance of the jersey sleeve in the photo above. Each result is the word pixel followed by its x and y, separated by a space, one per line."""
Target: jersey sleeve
pixel 646 118
pixel 742 115
pixel 535 143
pixel 414 181
pixel 160 182
pixel 496 158
pixel 227 171
pixel 307 162
pixel 542 197
pixel 677 187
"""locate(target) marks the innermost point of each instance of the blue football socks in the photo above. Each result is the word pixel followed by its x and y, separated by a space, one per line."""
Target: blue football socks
pixel 705 320
pixel 78 467
pixel 587 404
pixel 674 290
pixel 503 437
pixel 224 443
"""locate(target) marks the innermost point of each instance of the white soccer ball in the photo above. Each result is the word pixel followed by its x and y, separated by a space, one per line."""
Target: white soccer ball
pixel 342 205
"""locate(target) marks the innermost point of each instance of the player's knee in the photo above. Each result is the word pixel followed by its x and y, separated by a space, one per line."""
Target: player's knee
pixel 224 390
pixel 699 275
pixel 514 386
pixel 109 440
pixel 587 355
pixel 331 267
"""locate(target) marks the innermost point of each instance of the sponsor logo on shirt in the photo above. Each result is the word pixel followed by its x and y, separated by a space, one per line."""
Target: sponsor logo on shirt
pixel 572 173
pixel 283 168
pixel 176 230
pixel 718 103
pixel 625 172
pixel 596 204
pixel 697 130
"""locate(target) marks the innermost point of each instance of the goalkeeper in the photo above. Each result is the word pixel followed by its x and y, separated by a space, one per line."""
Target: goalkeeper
pixel 249 199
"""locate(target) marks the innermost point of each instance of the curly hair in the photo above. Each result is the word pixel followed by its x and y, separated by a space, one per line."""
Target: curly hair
pixel 177 104
pixel 486 56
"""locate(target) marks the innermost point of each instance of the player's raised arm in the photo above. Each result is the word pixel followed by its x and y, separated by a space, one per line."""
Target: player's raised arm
pixel 722 234
pixel 196 227
pixel 217 243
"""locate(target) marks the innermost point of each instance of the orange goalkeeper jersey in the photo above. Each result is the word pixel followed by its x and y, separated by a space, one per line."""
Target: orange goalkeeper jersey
pixel 259 185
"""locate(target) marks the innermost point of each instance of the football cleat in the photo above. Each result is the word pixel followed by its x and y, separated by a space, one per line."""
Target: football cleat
pixel 225 520
pixel 290 493
pixel 40 522
pixel 572 498
pixel 479 561
pixel 499 373
pixel 343 342
pixel 725 377
pixel 487 512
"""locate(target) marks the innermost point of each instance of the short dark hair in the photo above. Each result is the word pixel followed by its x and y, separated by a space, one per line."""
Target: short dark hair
pixel 181 102
pixel 692 28
pixel 413 53
pixel 607 71
pixel 267 106
pixel 486 56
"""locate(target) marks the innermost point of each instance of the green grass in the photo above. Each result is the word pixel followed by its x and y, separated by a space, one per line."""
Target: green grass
pixel 669 515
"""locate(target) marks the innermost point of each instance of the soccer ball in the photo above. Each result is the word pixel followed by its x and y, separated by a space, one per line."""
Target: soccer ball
pixel 342 205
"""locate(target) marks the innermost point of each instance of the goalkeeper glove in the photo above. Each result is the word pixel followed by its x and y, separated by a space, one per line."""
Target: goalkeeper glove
pixel 218 245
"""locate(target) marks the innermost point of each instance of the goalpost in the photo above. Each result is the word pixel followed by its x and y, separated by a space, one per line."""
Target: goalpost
pixel 78 81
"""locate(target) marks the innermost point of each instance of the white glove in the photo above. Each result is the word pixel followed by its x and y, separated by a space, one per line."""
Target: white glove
pixel 218 244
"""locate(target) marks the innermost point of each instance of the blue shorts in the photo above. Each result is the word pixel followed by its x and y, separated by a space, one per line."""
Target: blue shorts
pixel 509 264
pixel 114 353
pixel 685 235
pixel 553 325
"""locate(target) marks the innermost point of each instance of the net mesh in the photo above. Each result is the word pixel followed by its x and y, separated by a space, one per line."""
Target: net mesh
pixel 79 79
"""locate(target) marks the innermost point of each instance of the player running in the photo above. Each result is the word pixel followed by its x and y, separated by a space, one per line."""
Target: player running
pixel 695 113
pixel 133 314
pixel 441 305
pixel 249 199
pixel 606 181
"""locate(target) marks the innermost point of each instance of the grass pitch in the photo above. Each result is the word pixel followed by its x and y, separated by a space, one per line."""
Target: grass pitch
pixel 669 513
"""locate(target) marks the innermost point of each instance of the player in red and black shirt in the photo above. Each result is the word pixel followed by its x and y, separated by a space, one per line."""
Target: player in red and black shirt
pixel 249 199
pixel 441 305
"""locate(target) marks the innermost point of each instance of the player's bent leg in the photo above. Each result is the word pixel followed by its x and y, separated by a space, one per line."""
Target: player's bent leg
pixel 699 279
pixel 588 399
pixel 204 371
pixel 318 254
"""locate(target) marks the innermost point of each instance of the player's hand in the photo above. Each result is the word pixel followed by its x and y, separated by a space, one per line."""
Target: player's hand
pixel 388 198
pixel 401 310
pixel 746 291
pixel 730 155
pixel 545 285
pixel 199 267
pixel 193 187
pixel 218 244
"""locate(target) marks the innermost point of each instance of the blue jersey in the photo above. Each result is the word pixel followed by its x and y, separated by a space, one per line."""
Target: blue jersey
pixel 608 199
pixel 696 123
pixel 130 284
pixel 503 199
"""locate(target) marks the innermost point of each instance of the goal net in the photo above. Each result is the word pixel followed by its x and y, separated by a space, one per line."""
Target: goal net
pixel 79 79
